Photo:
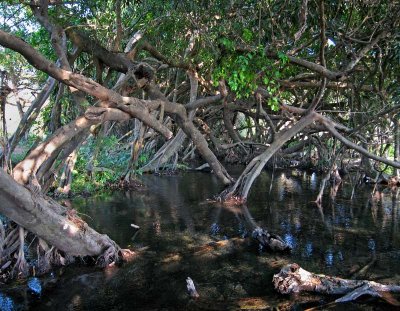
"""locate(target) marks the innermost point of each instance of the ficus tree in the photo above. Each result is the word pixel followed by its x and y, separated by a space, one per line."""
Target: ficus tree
pixel 242 81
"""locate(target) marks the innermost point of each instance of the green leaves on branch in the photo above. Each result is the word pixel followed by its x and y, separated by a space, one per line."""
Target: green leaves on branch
pixel 238 74
pixel 245 72
pixel 247 35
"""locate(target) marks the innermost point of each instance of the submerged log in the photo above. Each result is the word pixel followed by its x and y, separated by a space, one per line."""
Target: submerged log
pixel 294 279
pixel 262 236
pixel 269 240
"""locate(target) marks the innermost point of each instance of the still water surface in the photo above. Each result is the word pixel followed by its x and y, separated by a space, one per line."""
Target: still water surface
pixel 177 222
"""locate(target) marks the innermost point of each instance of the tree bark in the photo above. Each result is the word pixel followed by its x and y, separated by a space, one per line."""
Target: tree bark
pixel 294 279
pixel 47 219
pixel 31 114
pixel 241 188
pixel 179 113
pixel 29 166
pixel 227 114
pixel 172 146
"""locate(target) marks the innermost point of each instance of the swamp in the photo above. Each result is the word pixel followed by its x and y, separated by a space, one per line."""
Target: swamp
pixel 199 155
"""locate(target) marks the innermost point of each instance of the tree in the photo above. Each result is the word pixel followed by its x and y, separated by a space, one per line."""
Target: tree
pixel 242 81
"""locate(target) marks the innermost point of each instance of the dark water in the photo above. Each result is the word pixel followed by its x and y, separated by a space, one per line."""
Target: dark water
pixel 176 223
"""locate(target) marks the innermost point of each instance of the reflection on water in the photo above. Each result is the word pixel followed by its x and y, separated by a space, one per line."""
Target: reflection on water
pixel 35 286
pixel 175 218
pixel 6 303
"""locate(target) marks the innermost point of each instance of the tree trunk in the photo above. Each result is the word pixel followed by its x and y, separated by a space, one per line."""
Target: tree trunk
pixel 51 222
pixel 172 146
pixel 229 126
pixel 32 113
pixel 240 190
pixel 180 115
pixel 66 177
pixel 94 115
pixel 55 118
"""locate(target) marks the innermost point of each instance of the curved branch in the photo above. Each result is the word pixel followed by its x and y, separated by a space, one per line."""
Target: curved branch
pixel 153 51
pixel 135 107
pixel 201 102
pixel 330 127
pixel 29 166
pixel 329 74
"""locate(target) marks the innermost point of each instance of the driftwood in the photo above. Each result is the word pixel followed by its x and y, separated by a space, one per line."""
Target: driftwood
pixel 294 279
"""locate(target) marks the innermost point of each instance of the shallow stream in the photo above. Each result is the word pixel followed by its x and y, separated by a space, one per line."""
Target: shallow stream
pixel 177 224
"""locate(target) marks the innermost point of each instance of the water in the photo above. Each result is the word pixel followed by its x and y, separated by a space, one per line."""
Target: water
pixel 177 222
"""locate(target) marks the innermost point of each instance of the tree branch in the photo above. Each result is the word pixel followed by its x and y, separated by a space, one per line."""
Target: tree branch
pixel 131 105
pixel 331 128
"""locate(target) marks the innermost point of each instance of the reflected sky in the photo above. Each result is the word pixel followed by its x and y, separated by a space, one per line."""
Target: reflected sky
pixel 6 303
pixel 35 285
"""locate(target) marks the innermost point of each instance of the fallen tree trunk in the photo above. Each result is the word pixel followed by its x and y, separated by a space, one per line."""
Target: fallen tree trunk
pixel 53 223
pixel 294 279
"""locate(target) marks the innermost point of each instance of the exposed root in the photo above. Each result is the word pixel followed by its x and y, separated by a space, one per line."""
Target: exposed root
pixel 15 244
pixel 111 255
pixel 21 266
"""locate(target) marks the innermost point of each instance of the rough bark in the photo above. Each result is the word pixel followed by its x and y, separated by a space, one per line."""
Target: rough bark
pixel 48 220
pixel 66 177
pixel 134 106
pixel 294 279
pixel 228 115
pixel 172 146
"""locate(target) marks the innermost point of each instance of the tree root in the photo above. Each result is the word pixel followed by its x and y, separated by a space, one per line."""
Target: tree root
pixel 21 266
pixel 111 255
pixel 294 279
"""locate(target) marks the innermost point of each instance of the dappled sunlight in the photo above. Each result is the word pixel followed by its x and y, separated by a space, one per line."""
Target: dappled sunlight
pixel 71 228
pixel 50 148
pixel 171 258
pixel 212 142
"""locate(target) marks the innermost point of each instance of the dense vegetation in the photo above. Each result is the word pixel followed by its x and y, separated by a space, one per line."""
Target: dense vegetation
pixel 121 88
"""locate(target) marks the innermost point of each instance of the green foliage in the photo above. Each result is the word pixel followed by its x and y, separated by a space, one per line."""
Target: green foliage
pixel 111 158
pixel 247 35
pixel 22 148
pixel 244 72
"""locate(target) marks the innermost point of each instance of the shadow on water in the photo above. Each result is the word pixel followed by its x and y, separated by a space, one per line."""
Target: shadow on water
pixel 177 224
